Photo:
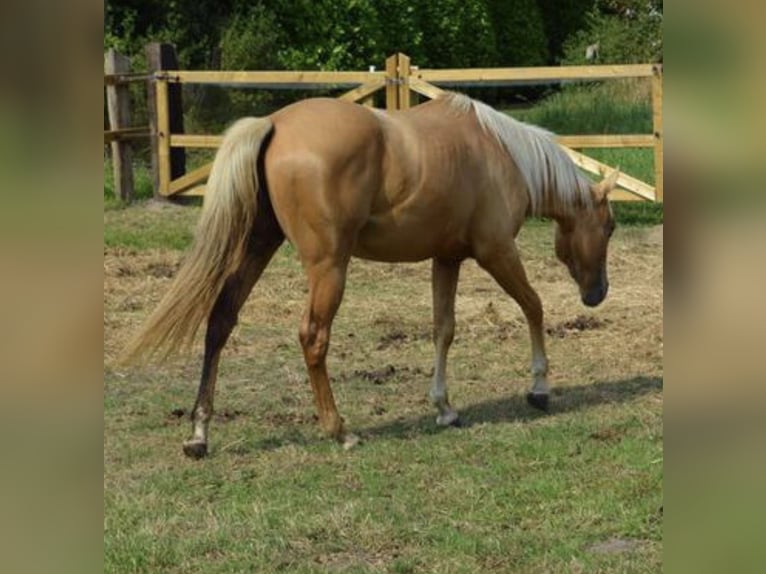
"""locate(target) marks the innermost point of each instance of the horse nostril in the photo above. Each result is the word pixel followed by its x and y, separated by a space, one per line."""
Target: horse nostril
pixel 590 299
pixel 595 295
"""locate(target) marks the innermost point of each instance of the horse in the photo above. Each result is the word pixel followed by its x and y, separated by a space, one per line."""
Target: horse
pixel 447 180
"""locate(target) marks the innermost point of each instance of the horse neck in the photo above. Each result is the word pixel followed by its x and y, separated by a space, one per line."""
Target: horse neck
pixel 563 214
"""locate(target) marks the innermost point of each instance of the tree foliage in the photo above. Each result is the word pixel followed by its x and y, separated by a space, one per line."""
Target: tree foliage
pixel 625 31
pixel 353 34
pixel 356 34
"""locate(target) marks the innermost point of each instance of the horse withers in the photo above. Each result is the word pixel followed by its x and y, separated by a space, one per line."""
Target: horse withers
pixel 447 180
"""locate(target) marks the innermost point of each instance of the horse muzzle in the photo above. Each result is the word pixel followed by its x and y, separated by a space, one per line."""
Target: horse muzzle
pixel 595 295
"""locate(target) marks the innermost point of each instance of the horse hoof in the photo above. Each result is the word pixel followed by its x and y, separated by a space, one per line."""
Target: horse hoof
pixel 538 401
pixel 350 441
pixel 195 449
pixel 449 419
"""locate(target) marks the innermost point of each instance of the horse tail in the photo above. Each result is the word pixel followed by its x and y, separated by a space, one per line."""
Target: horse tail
pixel 219 248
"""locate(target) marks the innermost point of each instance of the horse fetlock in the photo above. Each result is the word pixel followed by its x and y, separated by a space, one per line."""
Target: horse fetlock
pixel 439 399
pixel 540 368
pixel 200 424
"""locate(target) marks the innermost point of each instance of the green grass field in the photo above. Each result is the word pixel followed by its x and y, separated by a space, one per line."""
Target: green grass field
pixel 577 490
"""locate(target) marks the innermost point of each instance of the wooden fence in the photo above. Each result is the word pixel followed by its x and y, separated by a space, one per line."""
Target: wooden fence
pixel 400 80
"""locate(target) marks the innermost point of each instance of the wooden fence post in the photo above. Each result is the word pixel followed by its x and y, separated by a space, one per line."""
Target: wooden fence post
pixel 657 129
pixel 118 107
pixel 163 57
pixel 403 68
pixel 162 138
pixel 392 81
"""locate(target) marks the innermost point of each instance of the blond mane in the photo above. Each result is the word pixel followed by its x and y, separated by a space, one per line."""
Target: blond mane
pixel 545 167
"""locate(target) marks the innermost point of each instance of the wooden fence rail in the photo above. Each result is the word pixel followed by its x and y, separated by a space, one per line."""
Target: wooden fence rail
pixel 537 75
pixel 399 80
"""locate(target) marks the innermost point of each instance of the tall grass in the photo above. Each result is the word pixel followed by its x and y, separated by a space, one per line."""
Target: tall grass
pixel 143 185
pixel 618 106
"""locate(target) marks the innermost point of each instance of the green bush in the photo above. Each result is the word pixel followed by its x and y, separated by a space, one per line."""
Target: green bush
pixel 561 19
pixel 453 33
pixel 626 32
pixel 519 33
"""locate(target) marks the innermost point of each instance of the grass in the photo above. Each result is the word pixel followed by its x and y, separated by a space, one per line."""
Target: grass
pixel 579 490
pixel 143 185
pixel 614 107
pixel 149 224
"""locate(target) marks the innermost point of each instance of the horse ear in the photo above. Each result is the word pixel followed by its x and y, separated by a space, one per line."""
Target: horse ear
pixel 601 190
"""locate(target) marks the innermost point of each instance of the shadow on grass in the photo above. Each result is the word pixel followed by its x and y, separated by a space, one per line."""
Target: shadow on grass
pixel 508 409
pixel 515 408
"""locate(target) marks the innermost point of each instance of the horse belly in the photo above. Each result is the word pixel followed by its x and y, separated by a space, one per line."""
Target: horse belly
pixel 383 239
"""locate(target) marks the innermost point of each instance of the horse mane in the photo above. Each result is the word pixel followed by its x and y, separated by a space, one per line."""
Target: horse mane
pixel 545 167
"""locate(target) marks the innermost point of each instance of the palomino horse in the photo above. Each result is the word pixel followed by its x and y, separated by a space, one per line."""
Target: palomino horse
pixel 446 180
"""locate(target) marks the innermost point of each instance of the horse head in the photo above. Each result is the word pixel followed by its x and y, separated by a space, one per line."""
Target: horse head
pixel 581 243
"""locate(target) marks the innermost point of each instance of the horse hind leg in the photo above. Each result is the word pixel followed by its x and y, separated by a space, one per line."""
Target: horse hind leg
pixel 223 317
pixel 327 280
pixel 444 278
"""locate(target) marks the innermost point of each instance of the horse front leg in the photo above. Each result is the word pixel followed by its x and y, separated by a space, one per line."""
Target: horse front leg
pixel 326 284
pixel 444 278
pixel 506 268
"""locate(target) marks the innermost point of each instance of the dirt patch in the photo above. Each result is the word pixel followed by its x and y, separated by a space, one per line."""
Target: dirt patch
pixel 397 337
pixel 608 434
pixel 576 325
pixel 384 374
pixel 377 377
pixel 392 339
pixel 227 415
pixel 162 270
pixel 291 419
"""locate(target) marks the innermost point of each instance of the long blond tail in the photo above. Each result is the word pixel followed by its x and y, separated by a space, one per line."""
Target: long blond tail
pixel 219 248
